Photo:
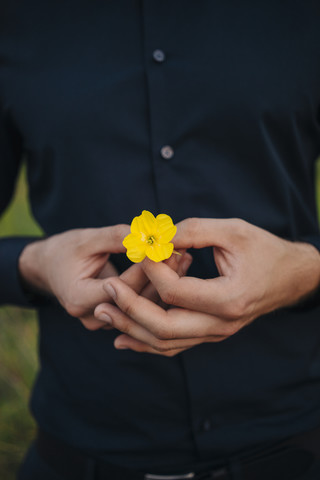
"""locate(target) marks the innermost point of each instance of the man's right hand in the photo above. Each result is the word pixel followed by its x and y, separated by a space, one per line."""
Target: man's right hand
pixel 67 266
pixel 72 266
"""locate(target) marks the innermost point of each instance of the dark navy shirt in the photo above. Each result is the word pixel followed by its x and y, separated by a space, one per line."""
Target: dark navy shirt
pixel 190 108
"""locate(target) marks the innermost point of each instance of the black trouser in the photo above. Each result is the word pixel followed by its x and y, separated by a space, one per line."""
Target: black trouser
pixel 293 460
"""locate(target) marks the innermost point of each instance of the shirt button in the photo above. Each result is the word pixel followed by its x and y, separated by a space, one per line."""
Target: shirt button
pixel 159 56
pixel 206 425
pixel 167 152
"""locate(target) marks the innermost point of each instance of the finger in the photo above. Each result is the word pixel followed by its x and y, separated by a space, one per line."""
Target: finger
pixel 150 293
pixel 86 295
pixel 109 270
pixel 91 323
pixel 125 342
pixel 207 296
pixel 175 259
pixel 184 265
pixel 123 323
pixel 180 264
pixel 90 291
pixel 207 232
pixel 135 277
pixel 105 239
pixel 171 324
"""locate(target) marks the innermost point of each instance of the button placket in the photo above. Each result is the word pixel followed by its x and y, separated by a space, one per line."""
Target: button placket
pixel 158 55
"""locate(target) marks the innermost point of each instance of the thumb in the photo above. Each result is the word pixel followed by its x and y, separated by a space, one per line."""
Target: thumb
pixel 106 239
pixel 206 232
pixel 135 277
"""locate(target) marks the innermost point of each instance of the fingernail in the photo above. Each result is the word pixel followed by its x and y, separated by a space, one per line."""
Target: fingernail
pixel 120 346
pixel 109 288
pixel 104 317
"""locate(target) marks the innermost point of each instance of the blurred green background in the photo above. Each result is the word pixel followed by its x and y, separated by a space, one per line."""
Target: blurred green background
pixel 18 351
pixel 18 347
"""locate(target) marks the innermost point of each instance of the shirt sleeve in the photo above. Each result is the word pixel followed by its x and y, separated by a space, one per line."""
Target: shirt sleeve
pixel 313 239
pixel 11 289
pixel 313 300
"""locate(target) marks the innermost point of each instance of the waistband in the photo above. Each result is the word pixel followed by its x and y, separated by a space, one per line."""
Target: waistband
pixel 283 461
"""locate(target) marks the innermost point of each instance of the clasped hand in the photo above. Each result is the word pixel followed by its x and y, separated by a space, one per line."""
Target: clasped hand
pixel 72 267
pixel 156 307
pixel 259 272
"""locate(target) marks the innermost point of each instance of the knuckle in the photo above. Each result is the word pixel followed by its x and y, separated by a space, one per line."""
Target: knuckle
pixel 164 332
pixel 128 309
pixel 73 309
pixel 192 226
pixel 233 310
pixel 125 327
pixel 244 307
pixel 119 231
pixel 72 304
pixel 237 309
pixel 230 329
pixel 160 346
pixel 167 296
pixel 239 224
pixel 239 228
pixel 170 353
pixel 161 334
pixel 82 236
pixel 90 325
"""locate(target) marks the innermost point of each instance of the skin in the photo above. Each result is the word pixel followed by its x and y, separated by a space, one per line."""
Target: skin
pixel 259 273
pixel 72 266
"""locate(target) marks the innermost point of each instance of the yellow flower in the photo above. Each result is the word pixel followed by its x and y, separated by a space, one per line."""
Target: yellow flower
pixel 150 237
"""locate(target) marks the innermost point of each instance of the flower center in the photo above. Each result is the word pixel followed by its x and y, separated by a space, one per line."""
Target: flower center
pixel 151 240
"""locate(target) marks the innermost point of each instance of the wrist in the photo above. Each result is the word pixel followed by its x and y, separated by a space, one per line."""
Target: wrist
pixel 31 268
pixel 306 270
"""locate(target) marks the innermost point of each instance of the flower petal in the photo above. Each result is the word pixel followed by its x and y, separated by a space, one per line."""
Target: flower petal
pixel 165 228
pixel 158 252
pixel 136 249
pixel 145 224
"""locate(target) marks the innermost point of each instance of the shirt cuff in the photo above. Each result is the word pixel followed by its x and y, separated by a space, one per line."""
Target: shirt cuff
pixel 313 239
pixel 313 300
pixel 11 287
